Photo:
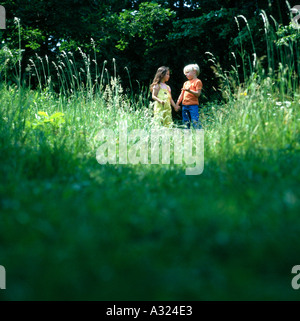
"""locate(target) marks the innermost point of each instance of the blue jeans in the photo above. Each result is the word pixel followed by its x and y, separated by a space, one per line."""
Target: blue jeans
pixel 190 114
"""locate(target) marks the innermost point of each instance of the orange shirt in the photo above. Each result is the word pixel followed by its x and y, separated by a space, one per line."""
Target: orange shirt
pixel 188 98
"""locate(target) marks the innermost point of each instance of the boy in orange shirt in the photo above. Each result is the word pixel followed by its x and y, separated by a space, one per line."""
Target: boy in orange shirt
pixel 189 96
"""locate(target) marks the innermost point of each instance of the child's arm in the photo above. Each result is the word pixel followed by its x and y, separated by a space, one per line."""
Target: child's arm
pixel 197 93
pixel 179 100
pixel 172 103
pixel 155 93
pixel 171 100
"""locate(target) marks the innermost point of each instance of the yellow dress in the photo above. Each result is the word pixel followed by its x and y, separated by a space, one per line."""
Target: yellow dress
pixel 163 112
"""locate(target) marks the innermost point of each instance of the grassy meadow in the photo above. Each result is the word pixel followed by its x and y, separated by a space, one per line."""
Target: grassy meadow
pixel 72 229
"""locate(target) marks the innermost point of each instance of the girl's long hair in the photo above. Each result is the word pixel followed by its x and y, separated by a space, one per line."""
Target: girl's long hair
pixel 160 74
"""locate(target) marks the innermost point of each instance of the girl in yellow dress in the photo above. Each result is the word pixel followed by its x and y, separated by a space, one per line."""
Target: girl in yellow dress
pixel 161 94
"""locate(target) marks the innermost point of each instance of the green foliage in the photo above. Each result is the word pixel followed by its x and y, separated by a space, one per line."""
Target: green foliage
pixel 141 35
pixel 43 121
pixel 146 23
pixel 8 60
pixel 218 21
pixel 287 35
pixel 33 38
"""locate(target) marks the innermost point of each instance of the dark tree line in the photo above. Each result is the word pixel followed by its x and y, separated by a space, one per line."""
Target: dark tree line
pixel 141 35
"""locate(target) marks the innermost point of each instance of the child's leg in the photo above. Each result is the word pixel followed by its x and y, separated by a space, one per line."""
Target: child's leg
pixel 186 117
pixel 194 110
pixel 167 117
pixel 158 113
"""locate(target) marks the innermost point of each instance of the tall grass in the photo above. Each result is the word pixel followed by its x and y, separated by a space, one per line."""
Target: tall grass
pixel 281 64
pixel 262 110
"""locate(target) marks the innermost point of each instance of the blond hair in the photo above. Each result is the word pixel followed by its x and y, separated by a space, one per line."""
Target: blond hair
pixel 192 67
